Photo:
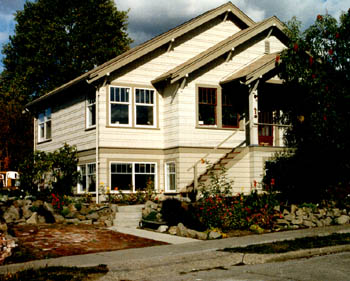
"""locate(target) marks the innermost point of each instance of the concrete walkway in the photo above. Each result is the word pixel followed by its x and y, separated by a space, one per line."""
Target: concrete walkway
pixel 156 261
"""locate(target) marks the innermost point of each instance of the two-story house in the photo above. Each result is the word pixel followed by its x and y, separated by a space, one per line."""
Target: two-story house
pixel 206 89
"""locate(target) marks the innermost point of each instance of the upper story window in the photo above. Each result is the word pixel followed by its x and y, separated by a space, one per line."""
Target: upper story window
pixel 207 102
pixel 144 107
pixel 91 111
pixel 44 125
pixel 120 106
pixel 126 109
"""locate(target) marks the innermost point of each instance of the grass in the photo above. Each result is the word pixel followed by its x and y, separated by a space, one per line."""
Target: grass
pixel 57 273
pixel 294 245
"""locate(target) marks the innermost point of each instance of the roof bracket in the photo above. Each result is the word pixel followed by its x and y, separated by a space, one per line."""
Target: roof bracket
pixel 229 55
pixel 226 14
pixel 174 93
pixel 171 43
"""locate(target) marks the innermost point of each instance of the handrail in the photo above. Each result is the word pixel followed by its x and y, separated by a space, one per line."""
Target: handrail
pixel 213 149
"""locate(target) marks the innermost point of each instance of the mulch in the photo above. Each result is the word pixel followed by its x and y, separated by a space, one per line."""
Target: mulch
pixel 56 240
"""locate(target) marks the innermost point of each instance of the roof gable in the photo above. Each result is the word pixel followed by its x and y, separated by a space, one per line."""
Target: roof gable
pixel 221 48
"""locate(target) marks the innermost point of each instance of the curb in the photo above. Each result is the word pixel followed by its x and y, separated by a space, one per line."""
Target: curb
pixel 267 258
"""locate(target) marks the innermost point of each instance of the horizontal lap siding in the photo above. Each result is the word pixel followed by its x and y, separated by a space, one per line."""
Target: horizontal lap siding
pixel 142 74
pixel 68 126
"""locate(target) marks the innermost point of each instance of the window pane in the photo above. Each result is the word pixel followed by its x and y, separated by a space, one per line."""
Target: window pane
pixel 172 184
pixel 48 113
pixel 141 181
pixel 91 183
pixel 92 115
pixel 144 115
pixel 122 181
pixel 207 114
pixel 48 129
pixel 41 131
pixel 119 114
pixel 41 117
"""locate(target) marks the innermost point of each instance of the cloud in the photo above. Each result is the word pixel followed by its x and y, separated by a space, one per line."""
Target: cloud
pixel 150 18
pixel 10 6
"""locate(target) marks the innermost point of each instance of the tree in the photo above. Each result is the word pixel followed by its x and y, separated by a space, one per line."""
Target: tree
pixel 316 71
pixel 54 42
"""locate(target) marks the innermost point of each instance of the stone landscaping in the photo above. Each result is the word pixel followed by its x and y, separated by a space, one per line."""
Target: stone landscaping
pixel 293 217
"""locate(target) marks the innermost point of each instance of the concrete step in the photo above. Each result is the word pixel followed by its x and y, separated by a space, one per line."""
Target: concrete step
pixel 130 208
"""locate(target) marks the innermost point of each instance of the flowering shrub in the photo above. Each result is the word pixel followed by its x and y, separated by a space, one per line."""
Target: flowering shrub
pixel 219 208
pixel 59 201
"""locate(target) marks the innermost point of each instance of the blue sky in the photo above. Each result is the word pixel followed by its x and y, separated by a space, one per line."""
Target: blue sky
pixel 150 18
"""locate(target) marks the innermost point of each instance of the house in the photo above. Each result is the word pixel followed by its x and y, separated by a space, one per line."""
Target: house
pixel 205 90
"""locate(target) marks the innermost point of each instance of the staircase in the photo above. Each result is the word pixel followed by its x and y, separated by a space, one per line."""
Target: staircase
pixel 223 162
pixel 128 216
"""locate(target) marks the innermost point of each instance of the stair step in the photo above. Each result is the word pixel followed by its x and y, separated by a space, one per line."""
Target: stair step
pixel 130 208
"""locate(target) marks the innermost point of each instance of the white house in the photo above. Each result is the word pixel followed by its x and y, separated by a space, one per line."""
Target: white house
pixel 203 90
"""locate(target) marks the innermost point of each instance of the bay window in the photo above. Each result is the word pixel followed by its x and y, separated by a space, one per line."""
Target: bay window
pixel 87 179
pixel 132 176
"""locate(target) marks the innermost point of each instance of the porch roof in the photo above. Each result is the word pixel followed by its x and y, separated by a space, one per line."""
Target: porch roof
pixel 254 70
pixel 221 48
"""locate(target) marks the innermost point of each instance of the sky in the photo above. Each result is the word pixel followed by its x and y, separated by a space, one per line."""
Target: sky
pixel 148 18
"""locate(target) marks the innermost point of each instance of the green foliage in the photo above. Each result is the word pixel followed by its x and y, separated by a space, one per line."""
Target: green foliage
pixel 219 208
pixel 50 172
pixel 315 69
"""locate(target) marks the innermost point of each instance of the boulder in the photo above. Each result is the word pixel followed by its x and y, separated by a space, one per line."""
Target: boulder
pixel 108 223
pixel 92 216
pixel 163 228
pixel 86 222
pixel 41 219
pixel 172 230
pixel 3 227
pixel 11 215
pixel 27 212
pixel 343 219
pixel 33 219
pixel 202 235
pixel 214 235
pixel 181 230
pixel 48 207
pixel 37 203
pixel 58 218
pixel 308 223
pixel 72 221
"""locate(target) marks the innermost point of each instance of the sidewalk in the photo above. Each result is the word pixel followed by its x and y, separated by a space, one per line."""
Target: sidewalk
pixel 186 256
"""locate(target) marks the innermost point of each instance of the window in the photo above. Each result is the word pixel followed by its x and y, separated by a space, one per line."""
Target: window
pixel 230 116
pixel 91 111
pixel 207 106
pixel 44 125
pixel 87 179
pixel 120 106
pixel 170 177
pixel 132 176
pixel 144 107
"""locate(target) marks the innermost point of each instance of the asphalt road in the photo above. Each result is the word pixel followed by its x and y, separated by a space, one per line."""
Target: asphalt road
pixel 334 267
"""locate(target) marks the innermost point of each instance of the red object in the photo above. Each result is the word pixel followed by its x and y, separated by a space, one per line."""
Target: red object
pixel 319 17
pixel 296 47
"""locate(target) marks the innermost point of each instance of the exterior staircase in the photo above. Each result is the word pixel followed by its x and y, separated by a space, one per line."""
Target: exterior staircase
pixel 128 216
pixel 223 162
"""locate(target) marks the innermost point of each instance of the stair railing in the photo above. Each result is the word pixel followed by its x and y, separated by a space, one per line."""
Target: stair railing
pixel 195 165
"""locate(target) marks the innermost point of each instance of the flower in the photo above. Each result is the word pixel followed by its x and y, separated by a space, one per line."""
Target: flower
pixel 311 60
pixel 255 183
pixel 295 47
pixel 337 35
pixel 325 117
pixel 272 181
pixel 278 57
pixel 202 161
pixel 116 188
pixel 319 17
pixel 330 51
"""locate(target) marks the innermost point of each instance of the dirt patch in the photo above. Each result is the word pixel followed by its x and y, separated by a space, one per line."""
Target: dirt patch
pixel 56 240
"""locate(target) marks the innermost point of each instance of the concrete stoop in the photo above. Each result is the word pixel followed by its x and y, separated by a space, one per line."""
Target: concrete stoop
pixel 128 216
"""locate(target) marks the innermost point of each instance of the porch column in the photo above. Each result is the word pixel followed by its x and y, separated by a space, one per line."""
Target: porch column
pixel 253 114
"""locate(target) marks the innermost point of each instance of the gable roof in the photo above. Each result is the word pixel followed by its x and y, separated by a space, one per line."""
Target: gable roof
pixel 219 49
pixel 151 45
pixel 254 70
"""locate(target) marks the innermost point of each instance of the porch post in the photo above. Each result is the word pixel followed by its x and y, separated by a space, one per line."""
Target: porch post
pixel 253 114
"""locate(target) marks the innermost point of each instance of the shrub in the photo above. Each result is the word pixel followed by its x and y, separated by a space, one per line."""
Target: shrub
pixel 50 172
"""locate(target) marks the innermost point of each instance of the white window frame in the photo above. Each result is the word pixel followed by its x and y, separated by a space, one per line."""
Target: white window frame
pixel 153 105
pixel 129 103
pixel 46 119
pixel 79 187
pixel 89 106
pixel 167 176
pixel 133 175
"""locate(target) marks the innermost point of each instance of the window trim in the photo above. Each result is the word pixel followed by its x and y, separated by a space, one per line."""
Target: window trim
pixel 88 105
pixel 45 121
pixel 133 175
pixel 79 190
pixel 129 103
pixel 167 174
pixel 154 106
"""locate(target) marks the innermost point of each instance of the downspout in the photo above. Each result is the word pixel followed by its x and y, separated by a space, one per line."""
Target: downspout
pixel 97 143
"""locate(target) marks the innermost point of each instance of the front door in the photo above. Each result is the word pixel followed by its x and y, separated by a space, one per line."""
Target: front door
pixel 265 132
